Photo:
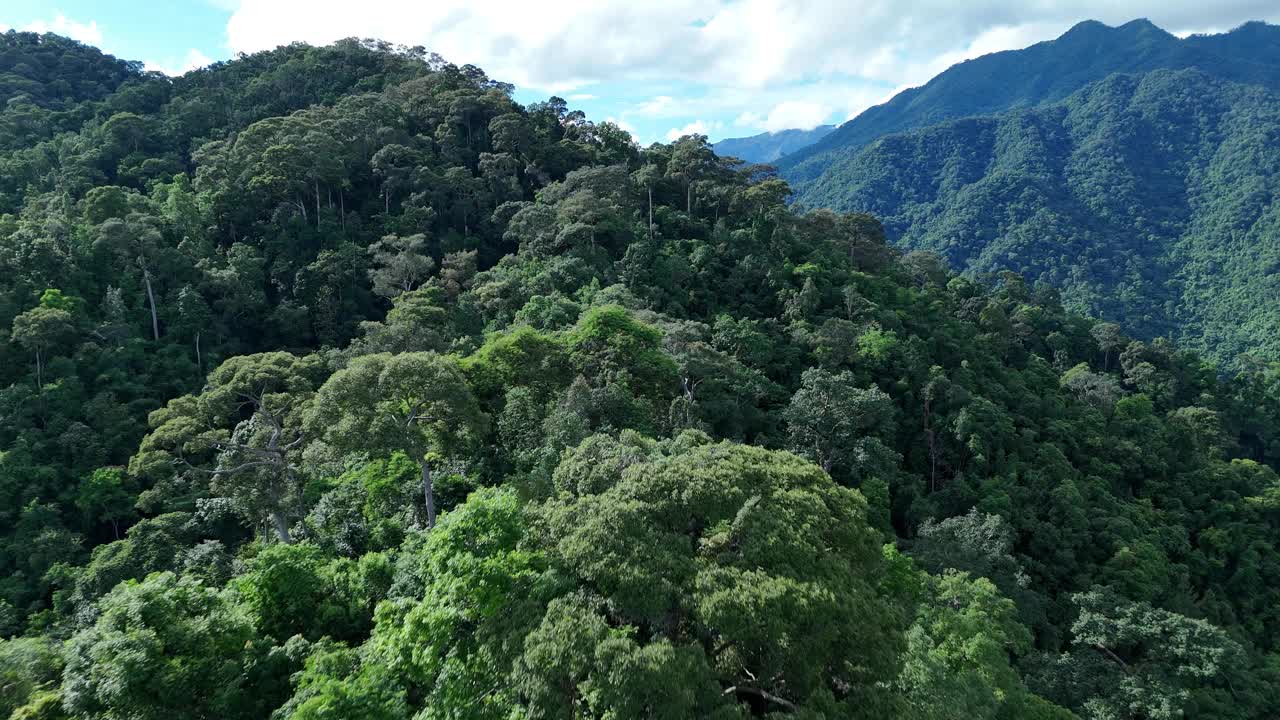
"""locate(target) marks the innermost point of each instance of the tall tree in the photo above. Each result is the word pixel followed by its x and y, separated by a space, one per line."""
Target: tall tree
pixel 417 403
pixel 244 431
pixel 400 264
pixel 138 242
pixel 830 417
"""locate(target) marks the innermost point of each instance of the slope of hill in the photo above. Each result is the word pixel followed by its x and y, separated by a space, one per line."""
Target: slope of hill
pixel 769 147
pixel 338 384
pixel 1043 73
pixel 1148 199
pixel 56 72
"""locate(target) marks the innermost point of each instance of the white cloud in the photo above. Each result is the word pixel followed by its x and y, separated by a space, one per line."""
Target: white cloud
pixel 697 127
pixel 796 114
pixel 740 43
pixel 581 97
pixel 660 106
pixel 193 60
pixel 747 119
pixel 727 57
pixel 88 33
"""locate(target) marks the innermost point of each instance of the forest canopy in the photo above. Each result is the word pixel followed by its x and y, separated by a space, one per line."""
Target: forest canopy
pixel 337 384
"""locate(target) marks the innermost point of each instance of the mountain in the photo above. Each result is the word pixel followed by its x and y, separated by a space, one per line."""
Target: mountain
pixel 336 383
pixel 769 147
pixel 1043 73
pixel 1147 199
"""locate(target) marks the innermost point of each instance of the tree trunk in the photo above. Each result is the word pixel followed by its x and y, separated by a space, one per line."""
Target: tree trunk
pixel 317 202
pixel 428 492
pixel 688 201
pixel 199 360
pixel 282 527
pixel 650 212
pixel 151 298
pixel 933 446
pixel 39 373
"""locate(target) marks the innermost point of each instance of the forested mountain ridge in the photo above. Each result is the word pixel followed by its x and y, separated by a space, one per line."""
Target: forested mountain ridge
pixel 1046 72
pixel 1146 198
pixel 338 384
pixel 770 146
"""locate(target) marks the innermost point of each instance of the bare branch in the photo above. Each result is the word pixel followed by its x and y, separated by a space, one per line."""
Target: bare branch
pixel 762 694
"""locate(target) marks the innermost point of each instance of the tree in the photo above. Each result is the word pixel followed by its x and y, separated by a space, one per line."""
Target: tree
pixel 1130 660
pixel 171 649
pixel 1110 339
pixel 418 320
pixel 830 418
pixel 400 264
pixel 958 650
pixel 41 330
pixel 27 666
pixel 193 320
pixel 249 418
pixel 647 177
pixel 295 590
pixel 672 579
pixel 415 402
pixel 692 160
pixel 1100 391
pixel 137 241
pixel 104 495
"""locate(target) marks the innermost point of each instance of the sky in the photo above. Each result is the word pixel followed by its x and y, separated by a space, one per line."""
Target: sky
pixel 658 68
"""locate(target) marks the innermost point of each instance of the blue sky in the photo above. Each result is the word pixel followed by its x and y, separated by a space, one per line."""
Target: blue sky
pixel 659 68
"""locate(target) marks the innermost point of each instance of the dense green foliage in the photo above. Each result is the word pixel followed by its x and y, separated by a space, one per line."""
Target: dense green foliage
pixel 1145 199
pixel 770 146
pixel 339 385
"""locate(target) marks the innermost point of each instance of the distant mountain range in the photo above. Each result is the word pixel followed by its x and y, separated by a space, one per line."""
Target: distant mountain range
pixel 1043 73
pixel 769 147
pixel 1135 171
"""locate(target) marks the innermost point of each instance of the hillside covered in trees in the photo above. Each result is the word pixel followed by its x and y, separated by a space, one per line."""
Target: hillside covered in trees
pixel 339 385
pixel 1144 198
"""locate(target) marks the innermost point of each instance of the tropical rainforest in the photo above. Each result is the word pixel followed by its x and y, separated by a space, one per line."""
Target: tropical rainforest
pixel 337 384
pixel 1134 171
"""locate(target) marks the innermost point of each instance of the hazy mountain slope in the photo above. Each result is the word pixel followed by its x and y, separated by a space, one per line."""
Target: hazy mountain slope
pixel 769 147
pixel 1043 73
pixel 1147 199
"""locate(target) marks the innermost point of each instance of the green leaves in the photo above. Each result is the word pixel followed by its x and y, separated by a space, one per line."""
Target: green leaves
pixel 1132 660
pixel 296 590
pixel 418 403
pixel 415 402
pixel 165 648
pixel 833 421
